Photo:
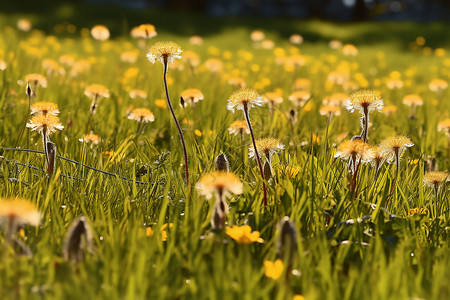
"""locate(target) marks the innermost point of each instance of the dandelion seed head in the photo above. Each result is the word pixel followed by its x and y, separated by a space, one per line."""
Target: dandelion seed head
pixel 394 146
pixel 45 124
pixel 141 115
pixel 44 108
pixel 365 100
pixel 434 178
pixel 100 32
pixel 164 50
pixel 193 95
pixel 144 31
pixel 244 98
pixel 412 100
pixel 94 91
pixel 237 126
pixel 268 146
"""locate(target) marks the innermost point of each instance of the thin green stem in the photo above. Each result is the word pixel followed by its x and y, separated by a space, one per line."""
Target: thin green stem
pixel 180 132
pixel 247 118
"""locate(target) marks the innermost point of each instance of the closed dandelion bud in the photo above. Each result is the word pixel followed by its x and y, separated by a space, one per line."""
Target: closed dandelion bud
pixel 221 163
pixel 267 171
pixel 51 158
pixel 93 107
pixel 182 102
pixel 287 241
pixel 78 240
pixel 28 90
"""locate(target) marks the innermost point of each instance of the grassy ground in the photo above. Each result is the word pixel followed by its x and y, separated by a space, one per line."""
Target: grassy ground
pixel 391 255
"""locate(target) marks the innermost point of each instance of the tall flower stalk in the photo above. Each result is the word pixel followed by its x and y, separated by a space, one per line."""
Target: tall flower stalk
pixel 166 52
pixel 393 147
pixel 244 99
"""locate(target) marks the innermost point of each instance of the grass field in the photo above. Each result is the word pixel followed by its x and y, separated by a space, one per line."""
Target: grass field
pixel 360 235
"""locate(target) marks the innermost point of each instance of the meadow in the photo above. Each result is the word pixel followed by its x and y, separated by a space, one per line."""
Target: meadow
pixel 342 219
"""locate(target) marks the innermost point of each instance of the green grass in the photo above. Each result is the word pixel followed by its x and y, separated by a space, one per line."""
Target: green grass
pixel 396 256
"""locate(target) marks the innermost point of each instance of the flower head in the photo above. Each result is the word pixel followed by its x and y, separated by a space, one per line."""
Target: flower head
pixel 238 126
pixel 100 32
pixel 45 108
pixel 413 100
pixel 220 182
pixel 95 91
pixel 138 94
pixel 273 98
pixel 243 234
pixel 192 95
pixel 36 79
pixel 375 156
pixel 330 109
pixel 244 99
pixel 394 146
pixel 353 151
pixel 141 115
pixel 437 85
pixel 20 211
pixel 444 126
pixel 45 124
pixel 90 138
pixel 268 146
pixel 434 178
pixel 299 98
pixel 166 51
pixel 365 101
pixel 144 31
pixel 274 269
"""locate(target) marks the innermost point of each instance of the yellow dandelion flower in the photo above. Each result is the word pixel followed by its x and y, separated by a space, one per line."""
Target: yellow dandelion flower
pixel 349 50
pixel 19 211
pixel 299 98
pixel 219 182
pixel 326 110
pixel 394 146
pixel 95 91
pixel 274 269
pixel 365 101
pixel 90 138
pixel 192 58
pixel 433 179
pixel 144 31
pixel 243 234
pixel 192 96
pixel 353 151
pixel 273 98
pixel 239 126
pixel 375 156
pixel 298 297
pixel 413 100
pixel 302 84
pixel 45 124
pixel 296 39
pixel 335 44
pixel 214 65
pixel 290 171
pixel 237 81
pixel 161 103
pixel 244 99
pixel 196 40
pixel 268 146
pixel 437 85
pixel 100 32
pixel 24 25
pixel 36 79
pixel 138 94
pixel 45 108
pixel 418 211
pixel 164 52
pixel 444 126
pixel 141 115
pixel 257 36
pixel 389 110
